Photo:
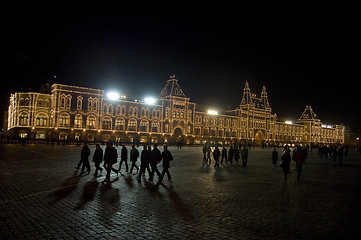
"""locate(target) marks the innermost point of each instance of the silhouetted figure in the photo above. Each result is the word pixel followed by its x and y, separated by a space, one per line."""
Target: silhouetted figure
pixel 123 158
pixel 299 157
pixel 236 154
pixel 134 154
pixel 98 159
pixel 285 162
pixel 230 154
pixel 110 158
pixel 244 154
pixel 216 155
pixel 155 158
pixel 334 155
pixel 144 161
pixel 340 155
pixel 224 155
pixel 167 157
pixel 274 157
pixel 204 150
pixel 85 152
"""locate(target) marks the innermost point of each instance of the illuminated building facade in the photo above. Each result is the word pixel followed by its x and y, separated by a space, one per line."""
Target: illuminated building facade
pixel 79 113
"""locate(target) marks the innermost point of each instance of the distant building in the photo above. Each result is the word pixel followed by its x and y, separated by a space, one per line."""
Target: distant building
pixel 79 113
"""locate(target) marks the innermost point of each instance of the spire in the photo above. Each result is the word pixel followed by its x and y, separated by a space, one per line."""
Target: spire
pixel 172 88
pixel 246 99
pixel 264 97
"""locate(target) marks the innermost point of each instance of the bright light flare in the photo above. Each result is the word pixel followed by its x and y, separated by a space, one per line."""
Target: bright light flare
pixel 149 100
pixel 113 95
pixel 288 122
pixel 212 112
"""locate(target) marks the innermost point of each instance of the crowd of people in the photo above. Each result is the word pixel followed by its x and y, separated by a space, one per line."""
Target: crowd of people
pixel 149 160
pixel 234 152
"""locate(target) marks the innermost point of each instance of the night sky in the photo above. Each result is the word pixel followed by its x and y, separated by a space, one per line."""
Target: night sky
pixel 212 57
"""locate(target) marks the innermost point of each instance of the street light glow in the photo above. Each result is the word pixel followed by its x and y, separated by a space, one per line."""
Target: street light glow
pixel 212 112
pixel 288 122
pixel 149 100
pixel 113 95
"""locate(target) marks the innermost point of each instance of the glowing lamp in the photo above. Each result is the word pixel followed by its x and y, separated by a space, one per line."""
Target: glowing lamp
pixel 288 122
pixel 113 95
pixel 149 100
pixel 212 112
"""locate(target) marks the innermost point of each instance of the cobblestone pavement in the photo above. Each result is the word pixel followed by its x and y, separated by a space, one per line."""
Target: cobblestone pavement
pixel 41 197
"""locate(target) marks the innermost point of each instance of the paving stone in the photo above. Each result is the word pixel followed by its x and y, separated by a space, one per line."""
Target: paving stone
pixel 41 197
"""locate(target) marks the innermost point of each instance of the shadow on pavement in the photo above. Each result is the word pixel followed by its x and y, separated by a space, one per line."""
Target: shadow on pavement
pixel 66 188
pixel 88 193
pixel 109 200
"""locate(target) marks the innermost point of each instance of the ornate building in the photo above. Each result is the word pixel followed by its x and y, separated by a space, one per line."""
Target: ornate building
pixel 71 112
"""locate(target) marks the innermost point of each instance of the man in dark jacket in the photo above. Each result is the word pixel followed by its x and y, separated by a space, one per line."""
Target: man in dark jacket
pixel 123 158
pixel 134 154
pixel 98 158
pixel 299 157
pixel 216 154
pixel 167 157
pixel 110 158
pixel 85 153
pixel 155 158
pixel 274 157
pixel 144 158
pixel 224 155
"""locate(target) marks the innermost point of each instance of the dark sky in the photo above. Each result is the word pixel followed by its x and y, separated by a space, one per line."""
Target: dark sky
pixel 212 57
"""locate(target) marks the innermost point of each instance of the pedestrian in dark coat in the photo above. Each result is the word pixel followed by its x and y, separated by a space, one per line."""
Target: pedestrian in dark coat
pixel 340 155
pixel 299 157
pixel 84 155
pixel 285 162
pixel 167 157
pixel 230 154
pixel 110 158
pixel 144 158
pixel 244 154
pixel 123 158
pixel 224 155
pixel 216 155
pixel 236 154
pixel 155 158
pixel 274 157
pixel 98 159
pixel 134 154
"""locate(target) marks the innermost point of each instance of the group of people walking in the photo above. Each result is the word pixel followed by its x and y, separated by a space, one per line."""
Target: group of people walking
pixel 149 160
pixel 233 153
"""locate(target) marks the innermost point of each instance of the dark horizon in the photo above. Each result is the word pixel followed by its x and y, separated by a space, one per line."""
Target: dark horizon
pixel 212 59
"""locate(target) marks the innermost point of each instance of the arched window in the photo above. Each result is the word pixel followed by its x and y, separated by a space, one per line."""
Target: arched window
pixel 197 130
pixel 41 120
pixel 107 123
pixel 123 110
pixel 166 128
pixel 143 126
pixel 119 124
pixel 135 111
pixel 78 121
pixel 155 126
pixel 79 103
pixel 91 122
pixel 23 119
pixel 132 125
pixel 142 112
pixel 167 112
pixel 64 120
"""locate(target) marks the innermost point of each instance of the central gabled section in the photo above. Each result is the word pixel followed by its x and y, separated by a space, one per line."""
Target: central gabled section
pixel 172 88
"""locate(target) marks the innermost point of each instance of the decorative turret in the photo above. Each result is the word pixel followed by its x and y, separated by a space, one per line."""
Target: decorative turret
pixel 264 98
pixel 308 114
pixel 172 88
pixel 246 99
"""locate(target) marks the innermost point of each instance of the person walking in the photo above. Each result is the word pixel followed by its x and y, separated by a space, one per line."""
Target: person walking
pixel 334 155
pixel 299 157
pixel 216 154
pixel 230 154
pixel 340 155
pixel 98 159
pixel 167 157
pixel 236 154
pixel 84 161
pixel 274 157
pixel 244 154
pixel 134 154
pixel 110 158
pixel 123 158
pixel 155 158
pixel 204 150
pixel 285 162
pixel 224 155
pixel 143 161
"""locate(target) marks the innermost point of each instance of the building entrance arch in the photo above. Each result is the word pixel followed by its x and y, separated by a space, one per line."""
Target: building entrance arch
pixel 178 133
